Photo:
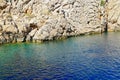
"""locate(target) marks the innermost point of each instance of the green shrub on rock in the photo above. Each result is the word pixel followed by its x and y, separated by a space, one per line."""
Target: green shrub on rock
pixel 102 3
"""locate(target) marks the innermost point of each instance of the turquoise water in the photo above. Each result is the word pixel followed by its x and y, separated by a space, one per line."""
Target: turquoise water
pixel 95 57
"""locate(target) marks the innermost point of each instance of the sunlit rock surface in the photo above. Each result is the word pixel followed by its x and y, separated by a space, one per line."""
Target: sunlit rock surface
pixel 114 15
pixel 40 20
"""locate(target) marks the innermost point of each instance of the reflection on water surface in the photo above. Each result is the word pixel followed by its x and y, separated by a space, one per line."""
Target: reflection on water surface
pixel 95 57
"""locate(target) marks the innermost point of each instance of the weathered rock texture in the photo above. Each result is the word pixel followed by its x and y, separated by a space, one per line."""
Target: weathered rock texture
pixel 114 15
pixel 40 20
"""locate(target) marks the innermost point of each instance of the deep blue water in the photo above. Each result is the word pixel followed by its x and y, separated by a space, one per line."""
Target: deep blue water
pixel 95 57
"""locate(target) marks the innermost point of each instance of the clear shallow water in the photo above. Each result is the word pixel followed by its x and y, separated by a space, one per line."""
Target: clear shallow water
pixel 95 57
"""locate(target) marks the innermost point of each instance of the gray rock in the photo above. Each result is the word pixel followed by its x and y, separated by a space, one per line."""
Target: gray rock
pixel 39 20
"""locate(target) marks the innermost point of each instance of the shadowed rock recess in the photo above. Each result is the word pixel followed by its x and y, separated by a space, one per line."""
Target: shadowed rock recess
pixel 41 20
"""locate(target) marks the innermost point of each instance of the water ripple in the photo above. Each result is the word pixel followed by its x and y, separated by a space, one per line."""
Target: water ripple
pixel 82 58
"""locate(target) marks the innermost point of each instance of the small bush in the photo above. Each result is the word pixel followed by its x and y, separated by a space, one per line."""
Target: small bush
pixel 102 3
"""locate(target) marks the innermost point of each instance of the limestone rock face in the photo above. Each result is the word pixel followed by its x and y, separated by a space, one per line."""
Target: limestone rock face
pixel 36 20
pixel 114 15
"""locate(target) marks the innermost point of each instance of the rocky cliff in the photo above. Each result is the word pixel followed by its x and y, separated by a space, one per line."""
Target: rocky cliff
pixel 40 20
pixel 113 10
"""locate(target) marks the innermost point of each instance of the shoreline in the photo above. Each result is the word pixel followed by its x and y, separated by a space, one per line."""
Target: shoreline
pixel 61 39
